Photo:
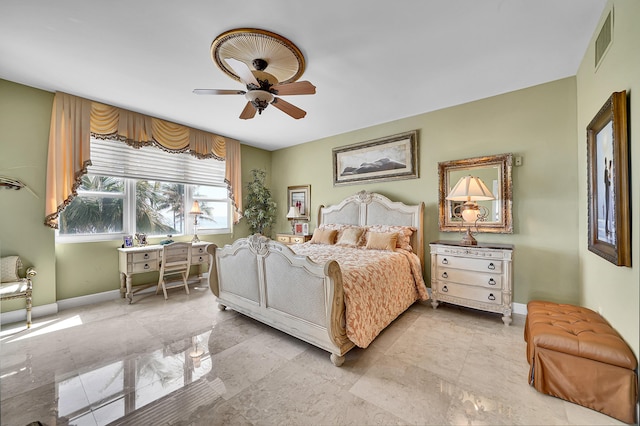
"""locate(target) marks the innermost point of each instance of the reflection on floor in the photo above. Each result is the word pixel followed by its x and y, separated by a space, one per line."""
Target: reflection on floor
pixel 183 362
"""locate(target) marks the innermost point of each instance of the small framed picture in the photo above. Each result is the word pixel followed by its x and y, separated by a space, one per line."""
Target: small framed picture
pixel 305 229
pixel 128 241
pixel 298 229
pixel 300 197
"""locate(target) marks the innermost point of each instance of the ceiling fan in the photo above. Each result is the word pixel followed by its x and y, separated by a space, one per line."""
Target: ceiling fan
pixel 262 89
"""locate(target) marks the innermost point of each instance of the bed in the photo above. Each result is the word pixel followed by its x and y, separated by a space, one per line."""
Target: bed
pixel 333 296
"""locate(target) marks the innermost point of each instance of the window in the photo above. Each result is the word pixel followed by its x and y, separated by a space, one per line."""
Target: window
pixel 148 191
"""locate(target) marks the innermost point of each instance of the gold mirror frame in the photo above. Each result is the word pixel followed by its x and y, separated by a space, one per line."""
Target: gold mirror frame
pixel 503 204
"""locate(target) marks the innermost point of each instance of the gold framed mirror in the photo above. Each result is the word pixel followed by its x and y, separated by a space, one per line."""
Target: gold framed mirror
pixel 495 171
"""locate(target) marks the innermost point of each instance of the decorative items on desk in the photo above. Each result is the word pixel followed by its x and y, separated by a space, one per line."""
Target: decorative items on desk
pixel 141 239
pixel 470 190
pixel 128 241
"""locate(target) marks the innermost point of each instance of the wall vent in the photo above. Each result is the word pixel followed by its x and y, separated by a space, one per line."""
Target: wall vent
pixel 605 37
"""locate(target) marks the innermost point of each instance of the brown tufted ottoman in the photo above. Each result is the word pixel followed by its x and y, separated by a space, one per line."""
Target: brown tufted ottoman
pixel 574 354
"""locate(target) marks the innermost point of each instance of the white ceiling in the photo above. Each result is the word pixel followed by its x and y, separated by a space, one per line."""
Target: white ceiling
pixel 371 61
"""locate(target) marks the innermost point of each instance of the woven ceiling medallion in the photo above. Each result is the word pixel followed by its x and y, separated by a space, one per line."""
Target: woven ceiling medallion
pixel 256 48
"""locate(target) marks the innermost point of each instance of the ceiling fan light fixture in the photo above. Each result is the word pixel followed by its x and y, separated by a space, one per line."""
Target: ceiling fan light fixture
pixel 259 98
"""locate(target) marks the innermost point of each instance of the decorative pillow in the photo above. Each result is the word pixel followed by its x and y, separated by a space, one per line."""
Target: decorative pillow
pixel 404 234
pixel 340 227
pixel 323 236
pixel 9 267
pixel 381 240
pixel 350 237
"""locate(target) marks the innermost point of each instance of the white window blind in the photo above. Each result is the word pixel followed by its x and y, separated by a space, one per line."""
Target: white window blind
pixel 117 159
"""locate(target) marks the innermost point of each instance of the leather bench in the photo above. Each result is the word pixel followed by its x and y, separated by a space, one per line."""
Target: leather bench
pixel 574 354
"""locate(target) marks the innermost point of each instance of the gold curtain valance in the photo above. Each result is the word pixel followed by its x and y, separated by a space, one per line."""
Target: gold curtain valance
pixel 74 120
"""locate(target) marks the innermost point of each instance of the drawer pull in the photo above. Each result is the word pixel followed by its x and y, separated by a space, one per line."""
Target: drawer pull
pixel 146 255
pixel 445 289
pixel 491 266
pixel 200 259
pixel 445 261
pixel 445 275
pixel 200 250
pixel 492 281
pixel 491 297
pixel 146 266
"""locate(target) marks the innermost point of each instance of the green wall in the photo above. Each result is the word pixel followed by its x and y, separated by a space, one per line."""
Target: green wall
pixel 613 289
pixel 537 123
pixel 25 114
pixel 64 270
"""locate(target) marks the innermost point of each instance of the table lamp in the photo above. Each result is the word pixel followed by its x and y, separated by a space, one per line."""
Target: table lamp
pixel 470 189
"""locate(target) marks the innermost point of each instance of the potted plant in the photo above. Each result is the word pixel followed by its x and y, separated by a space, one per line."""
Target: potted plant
pixel 260 209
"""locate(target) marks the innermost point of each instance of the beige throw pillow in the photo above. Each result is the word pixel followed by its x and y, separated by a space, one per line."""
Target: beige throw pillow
pixel 381 241
pixel 9 267
pixel 323 236
pixel 350 237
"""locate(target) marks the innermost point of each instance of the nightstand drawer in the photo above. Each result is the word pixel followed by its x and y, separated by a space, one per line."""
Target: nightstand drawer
pixel 480 265
pixel 292 238
pixel 471 293
pixel 283 239
pixel 470 278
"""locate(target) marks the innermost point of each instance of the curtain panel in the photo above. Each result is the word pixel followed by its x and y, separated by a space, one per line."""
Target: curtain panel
pixel 74 120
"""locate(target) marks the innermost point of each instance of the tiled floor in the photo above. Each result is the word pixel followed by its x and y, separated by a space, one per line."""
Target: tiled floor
pixel 184 362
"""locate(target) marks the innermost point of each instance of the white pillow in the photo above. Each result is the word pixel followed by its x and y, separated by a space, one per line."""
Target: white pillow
pixel 9 267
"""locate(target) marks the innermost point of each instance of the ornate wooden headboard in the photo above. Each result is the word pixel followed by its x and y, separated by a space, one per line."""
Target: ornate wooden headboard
pixel 370 208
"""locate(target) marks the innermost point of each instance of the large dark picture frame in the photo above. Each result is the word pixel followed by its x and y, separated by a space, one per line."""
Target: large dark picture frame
pixel 389 158
pixel 608 182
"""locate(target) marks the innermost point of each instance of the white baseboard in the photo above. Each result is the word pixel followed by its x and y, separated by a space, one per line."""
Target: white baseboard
pixel 519 308
pixel 89 299
pixel 20 315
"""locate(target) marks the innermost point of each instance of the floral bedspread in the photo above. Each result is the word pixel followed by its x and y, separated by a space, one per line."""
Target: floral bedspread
pixel 378 285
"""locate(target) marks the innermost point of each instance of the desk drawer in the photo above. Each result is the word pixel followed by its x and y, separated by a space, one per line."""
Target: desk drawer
pixel 149 266
pixel 145 256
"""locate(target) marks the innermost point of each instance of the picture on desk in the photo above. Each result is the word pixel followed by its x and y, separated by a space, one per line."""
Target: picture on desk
pixel 128 241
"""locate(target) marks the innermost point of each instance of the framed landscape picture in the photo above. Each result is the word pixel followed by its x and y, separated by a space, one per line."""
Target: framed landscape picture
pixel 608 182
pixel 389 158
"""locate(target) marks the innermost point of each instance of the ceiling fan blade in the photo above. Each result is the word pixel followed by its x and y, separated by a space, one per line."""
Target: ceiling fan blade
pixel 287 108
pixel 248 112
pixel 295 88
pixel 243 71
pixel 218 92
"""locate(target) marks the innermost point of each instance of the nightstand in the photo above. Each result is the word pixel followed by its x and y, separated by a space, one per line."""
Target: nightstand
pixel 292 238
pixel 477 276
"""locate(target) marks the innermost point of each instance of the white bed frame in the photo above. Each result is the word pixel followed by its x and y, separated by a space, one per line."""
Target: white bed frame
pixel 267 281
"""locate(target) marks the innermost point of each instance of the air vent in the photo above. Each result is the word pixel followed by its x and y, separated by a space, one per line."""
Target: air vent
pixel 604 38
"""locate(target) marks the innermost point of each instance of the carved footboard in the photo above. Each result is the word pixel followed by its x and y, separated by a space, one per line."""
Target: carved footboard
pixel 265 280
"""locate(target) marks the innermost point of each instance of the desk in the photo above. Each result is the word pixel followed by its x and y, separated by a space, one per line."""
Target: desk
pixel 138 260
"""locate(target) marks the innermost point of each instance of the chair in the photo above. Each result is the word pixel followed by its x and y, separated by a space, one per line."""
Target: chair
pixel 12 286
pixel 176 260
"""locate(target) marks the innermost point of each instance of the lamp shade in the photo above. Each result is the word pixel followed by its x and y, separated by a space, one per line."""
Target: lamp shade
pixel 195 208
pixel 294 213
pixel 470 188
